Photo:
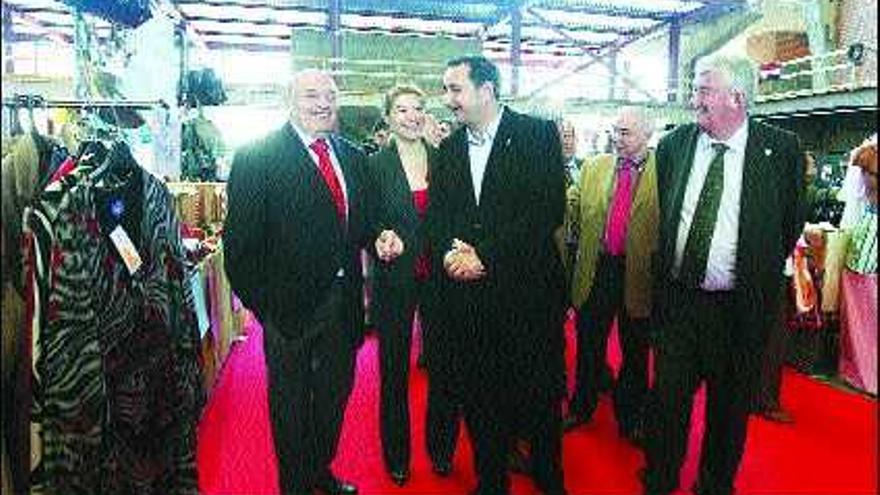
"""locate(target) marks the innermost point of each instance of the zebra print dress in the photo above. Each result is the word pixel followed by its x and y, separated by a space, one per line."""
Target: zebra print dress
pixel 117 383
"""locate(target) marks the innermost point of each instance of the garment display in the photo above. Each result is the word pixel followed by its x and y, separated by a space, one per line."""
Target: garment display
pixel 862 256
pixel 117 386
pixel 201 148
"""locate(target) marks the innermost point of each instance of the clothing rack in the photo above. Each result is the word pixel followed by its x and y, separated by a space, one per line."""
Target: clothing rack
pixel 37 101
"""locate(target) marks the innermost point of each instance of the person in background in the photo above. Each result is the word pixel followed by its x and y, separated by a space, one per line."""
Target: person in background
pixel 569 152
pixel 730 194
pixel 858 289
pixel 444 129
pixel 380 135
pixel 399 174
pixel 616 205
pixel 497 198
pixel 292 236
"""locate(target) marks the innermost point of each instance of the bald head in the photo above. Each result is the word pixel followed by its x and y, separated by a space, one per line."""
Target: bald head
pixel 311 97
pixel 632 130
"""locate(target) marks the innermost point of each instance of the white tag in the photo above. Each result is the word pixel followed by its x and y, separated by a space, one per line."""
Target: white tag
pixel 126 249
pixel 198 293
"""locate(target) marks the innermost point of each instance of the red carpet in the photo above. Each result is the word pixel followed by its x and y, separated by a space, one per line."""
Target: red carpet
pixel 830 450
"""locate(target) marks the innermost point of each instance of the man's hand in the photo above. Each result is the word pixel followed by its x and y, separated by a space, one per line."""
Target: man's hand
pixel 389 245
pixel 462 263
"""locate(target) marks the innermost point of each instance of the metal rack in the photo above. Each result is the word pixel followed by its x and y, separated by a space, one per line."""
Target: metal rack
pixel 38 101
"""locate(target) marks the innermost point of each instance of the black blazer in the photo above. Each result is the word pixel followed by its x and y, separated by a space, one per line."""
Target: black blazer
pixel 393 208
pixel 282 239
pixel 770 221
pixel 520 302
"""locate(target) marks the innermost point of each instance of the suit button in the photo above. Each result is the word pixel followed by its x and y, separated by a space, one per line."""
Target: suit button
pixel 478 226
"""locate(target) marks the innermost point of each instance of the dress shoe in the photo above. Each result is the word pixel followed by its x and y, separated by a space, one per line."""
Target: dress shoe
pixel 399 476
pixel 332 485
pixel 572 421
pixel 442 469
pixel 777 415
pixel 520 462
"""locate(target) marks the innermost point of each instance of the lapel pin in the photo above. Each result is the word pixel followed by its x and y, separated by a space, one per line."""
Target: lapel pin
pixel 768 152
pixel 507 143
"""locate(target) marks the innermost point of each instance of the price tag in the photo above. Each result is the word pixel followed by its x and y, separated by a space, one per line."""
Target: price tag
pixel 126 249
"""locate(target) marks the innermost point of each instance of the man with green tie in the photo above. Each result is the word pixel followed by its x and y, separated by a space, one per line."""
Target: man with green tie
pixel 730 193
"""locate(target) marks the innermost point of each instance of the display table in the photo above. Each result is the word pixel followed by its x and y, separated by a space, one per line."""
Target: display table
pixel 858 330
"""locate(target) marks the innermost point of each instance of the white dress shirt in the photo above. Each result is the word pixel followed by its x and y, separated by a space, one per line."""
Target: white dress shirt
pixel 721 265
pixel 479 148
pixel 307 140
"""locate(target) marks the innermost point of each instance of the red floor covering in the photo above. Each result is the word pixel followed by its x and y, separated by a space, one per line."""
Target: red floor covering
pixel 830 450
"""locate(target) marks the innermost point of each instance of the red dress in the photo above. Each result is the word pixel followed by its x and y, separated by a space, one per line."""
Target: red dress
pixel 422 265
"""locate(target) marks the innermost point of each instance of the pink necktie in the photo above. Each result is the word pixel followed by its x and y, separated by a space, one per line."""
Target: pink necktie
pixel 618 217
pixel 325 165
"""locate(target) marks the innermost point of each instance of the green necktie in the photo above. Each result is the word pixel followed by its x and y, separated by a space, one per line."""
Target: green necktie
pixel 696 250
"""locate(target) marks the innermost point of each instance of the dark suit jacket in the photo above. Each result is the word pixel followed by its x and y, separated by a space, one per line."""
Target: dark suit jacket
pixel 283 241
pixel 770 220
pixel 393 208
pixel 507 326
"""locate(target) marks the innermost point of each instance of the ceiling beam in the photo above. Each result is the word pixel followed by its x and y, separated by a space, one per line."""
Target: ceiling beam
pixel 597 58
pixel 714 8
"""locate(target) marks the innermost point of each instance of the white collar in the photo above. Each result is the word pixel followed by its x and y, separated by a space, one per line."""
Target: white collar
pixel 737 141
pixel 488 135
pixel 307 138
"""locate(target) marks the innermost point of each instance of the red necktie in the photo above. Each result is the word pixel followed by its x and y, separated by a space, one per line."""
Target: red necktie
pixel 325 165
pixel 618 218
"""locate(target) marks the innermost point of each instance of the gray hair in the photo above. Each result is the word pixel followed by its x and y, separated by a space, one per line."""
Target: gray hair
pixel 738 71
pixel 640 116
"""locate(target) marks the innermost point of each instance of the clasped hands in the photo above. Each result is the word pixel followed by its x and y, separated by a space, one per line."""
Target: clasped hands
pixel 462 263
pixel 389 245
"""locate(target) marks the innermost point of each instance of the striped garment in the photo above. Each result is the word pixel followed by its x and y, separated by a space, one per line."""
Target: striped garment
pixel 117 386
pixel 862 255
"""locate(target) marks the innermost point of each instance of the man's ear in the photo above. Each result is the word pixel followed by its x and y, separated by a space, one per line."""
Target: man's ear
pixel 490 90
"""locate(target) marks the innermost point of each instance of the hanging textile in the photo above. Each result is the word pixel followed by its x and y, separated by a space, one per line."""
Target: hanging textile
pixel 117 389
pixel 201 147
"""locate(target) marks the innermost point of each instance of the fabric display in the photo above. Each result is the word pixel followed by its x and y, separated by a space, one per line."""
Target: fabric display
pixel 130 13
pixel 108 343
pixel 200 204
pixel 202 87
pixel 201 148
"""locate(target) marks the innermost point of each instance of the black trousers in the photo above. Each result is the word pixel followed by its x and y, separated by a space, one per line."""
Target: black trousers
pixel 770 385
pixel 443 418
pixel 606 301
pixel 698 340
pixel 492 424
pixel 394 316
pixel 310 380
pixel 503 402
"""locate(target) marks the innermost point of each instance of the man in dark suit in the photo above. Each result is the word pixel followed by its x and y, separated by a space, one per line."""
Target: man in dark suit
pixel 292 238
pixel 497 196
pixel 730 192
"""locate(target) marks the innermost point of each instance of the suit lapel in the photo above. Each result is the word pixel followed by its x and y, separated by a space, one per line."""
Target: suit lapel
pixel 643 189
pixel 344 159
pixel 500 147
pixel 400 183
pixel 462 166
pixel 681 172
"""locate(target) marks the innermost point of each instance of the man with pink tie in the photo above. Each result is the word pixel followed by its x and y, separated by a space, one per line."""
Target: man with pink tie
pixel 615 208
